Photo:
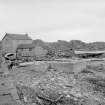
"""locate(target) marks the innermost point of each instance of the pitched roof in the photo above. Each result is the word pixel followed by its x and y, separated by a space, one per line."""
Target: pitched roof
pixel 24 46
pixel 18 36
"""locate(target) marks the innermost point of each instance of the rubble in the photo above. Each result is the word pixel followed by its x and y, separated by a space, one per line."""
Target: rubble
pixel 61 88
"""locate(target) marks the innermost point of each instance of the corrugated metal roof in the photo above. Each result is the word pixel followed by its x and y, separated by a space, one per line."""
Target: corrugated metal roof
pixel 18 36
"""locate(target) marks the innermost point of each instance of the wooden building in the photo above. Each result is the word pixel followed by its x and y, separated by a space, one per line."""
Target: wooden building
pixel 10 42
pixel 30 52
pixel 25 51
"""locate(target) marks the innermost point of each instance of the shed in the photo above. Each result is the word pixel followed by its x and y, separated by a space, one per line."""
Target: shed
pixel 10 41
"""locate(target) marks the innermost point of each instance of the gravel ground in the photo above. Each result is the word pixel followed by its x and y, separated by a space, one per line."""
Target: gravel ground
pixel 36 73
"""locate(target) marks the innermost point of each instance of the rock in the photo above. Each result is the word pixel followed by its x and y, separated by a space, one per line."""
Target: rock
pixel 58 88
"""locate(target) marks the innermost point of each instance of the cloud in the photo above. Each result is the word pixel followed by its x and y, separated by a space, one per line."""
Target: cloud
pixel 54 19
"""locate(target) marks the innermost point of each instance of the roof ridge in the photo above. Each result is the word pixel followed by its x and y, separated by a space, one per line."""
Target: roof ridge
pixel 18 36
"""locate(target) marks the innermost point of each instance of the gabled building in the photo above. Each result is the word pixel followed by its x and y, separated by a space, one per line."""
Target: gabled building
pixel 10 42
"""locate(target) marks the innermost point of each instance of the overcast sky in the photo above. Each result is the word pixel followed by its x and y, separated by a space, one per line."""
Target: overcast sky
pixel 52 20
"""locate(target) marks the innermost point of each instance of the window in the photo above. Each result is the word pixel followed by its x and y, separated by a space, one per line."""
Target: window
pixel 30 49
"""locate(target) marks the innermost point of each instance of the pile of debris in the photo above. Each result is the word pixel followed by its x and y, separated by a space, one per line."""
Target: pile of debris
pixel 60 88
pixel 97 68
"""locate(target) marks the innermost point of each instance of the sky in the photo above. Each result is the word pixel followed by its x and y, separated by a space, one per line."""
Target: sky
pixel 52 20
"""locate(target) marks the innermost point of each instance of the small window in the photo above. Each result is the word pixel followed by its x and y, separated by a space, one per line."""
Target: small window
pixel 30 49
pixel 2 84
pixel 21 49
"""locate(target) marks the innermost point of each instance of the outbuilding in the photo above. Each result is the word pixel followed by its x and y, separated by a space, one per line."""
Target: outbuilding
pixel 10 42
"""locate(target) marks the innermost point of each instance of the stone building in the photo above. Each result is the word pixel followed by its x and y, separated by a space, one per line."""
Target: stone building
pixel 10 42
